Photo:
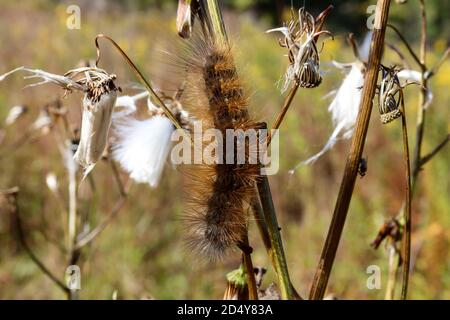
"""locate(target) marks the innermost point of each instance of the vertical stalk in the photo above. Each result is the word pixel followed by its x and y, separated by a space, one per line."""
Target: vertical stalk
pixel 270 217
pixel 421 112
pixel 351 168
pixel 72 206
pixel 217 21
pixel 249 274
pixel 407 211
pixel 393 269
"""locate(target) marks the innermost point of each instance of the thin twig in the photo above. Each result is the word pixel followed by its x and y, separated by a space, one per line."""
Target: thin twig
pixel 286 105
pixel 435 151
pixel 399 53
pixel 96 232
pixel 437 66
pixel 14 194
pixel 421 112
pixel 117 178
pixel 351 168
pixel 411 51
pixel 147 85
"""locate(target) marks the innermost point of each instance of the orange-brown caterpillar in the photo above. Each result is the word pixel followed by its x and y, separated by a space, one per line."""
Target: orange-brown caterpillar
pixel 218 194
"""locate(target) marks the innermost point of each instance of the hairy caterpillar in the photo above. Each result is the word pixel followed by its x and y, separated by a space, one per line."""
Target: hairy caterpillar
pixel 217 194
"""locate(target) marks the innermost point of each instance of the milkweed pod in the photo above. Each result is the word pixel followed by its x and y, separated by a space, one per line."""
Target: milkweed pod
pixel 95 124
pixel 390 96
pixel 299 38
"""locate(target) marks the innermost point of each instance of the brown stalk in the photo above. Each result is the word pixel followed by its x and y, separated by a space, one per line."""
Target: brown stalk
pixel 351 168
pixel 407 211
pixel 248 265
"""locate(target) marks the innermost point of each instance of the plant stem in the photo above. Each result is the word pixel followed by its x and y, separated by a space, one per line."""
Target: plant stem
pixel 13 193
pixel 421 112
pixel 286 105
pixel 279 258
pixel 72 221
pixel 147 85
pixel 249 274
pixel 217 21
pixel 435 151
pixel 407 211
pixel 260 220
pixel 393 269
pixel 102 226
pixel 351 168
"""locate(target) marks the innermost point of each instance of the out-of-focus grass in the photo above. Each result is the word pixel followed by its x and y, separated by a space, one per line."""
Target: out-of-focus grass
pixel 141 254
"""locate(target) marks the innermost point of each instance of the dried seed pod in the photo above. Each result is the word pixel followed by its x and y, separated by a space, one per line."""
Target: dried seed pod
pixel 390 96
pixel 98 104
pixel 96 121
pixel 300 37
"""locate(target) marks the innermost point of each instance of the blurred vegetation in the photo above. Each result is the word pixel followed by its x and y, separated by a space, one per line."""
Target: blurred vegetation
pixel 141 253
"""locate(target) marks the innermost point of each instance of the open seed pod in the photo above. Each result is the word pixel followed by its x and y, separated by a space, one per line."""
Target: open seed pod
pixel 100 95
pixel 390 96
pixel 98 104
pixel 300 37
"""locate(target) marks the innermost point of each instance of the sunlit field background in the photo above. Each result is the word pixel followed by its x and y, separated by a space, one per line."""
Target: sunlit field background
pixel 141 254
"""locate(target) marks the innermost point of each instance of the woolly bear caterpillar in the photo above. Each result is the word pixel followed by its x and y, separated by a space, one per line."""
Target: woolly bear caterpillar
pixel 217 194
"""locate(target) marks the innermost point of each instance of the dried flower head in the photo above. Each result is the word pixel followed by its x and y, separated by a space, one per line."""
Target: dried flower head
pixel 98 104
pixel 300 37
pixel 390 96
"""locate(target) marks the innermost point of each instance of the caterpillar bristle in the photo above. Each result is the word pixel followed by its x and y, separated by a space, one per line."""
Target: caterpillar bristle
pixel 217 195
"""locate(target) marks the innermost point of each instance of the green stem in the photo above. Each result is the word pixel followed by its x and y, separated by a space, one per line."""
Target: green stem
pixel 270 217
pixel 217 21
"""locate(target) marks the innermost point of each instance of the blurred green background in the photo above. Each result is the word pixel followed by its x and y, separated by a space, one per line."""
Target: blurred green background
pixel 141 254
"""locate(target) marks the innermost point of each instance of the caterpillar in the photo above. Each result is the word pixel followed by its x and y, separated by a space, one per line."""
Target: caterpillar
pixel 217 194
